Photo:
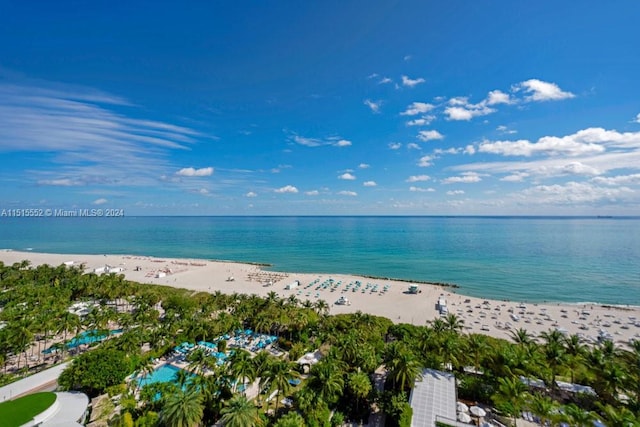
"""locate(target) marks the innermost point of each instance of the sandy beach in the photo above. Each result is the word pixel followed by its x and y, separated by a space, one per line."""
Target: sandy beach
pixel 380 297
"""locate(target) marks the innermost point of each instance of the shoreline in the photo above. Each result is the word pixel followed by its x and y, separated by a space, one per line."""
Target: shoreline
pixel 380 296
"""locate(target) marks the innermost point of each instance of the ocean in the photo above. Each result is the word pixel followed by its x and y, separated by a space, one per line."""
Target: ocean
pixel 531 259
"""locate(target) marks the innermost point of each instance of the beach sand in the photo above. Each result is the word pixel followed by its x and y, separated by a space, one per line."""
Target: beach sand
pixel 489 317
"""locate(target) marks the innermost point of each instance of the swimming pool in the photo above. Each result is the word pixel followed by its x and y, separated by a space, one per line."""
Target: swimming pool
pixel 86 337
pixel 163 374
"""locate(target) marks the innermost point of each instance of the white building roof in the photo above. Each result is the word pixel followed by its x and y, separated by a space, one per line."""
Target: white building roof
pixel 434 394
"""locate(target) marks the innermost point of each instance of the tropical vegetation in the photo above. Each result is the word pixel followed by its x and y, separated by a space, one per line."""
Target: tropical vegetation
pixel 356 351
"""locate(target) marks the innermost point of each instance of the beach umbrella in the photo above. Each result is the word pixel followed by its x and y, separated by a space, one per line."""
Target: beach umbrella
pixel 464 418
pixel 477 411
pixel 461 407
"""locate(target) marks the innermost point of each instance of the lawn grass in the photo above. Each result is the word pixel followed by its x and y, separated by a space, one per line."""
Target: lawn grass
pixel 20 411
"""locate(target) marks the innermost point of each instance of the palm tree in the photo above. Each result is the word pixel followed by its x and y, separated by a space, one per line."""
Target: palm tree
pixel 476 347
pixel 183 409
pixel 359 385
pixel 521 337
pixel 403 366
pixel 327 380
pixel 554 357
pixel 576 416
pixel 575 354
pixel 278 375
pixel 240 367
pixel 618 417
pixel 292 419
pixel 239 412
pixel 510 396
pixel 542 406
pixel 453 323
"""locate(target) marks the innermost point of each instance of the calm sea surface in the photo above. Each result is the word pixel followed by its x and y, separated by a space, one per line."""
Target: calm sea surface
pixel 529 259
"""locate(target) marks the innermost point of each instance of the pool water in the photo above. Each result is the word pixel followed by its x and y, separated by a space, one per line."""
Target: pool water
pixel 86 337
pixel 163 374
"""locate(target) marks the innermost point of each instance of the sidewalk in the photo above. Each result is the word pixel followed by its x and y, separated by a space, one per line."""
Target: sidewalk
pixel 32 383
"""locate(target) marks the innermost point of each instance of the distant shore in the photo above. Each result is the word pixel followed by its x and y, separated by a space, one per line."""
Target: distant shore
pixel 375 295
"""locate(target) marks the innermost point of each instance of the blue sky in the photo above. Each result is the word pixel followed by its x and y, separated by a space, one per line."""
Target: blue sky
pixel 321 108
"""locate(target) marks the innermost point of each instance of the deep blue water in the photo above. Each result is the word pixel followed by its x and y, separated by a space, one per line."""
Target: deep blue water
pixel 530 259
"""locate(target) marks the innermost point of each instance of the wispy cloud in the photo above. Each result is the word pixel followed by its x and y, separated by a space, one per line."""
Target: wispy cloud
pixel 347 193
pixel 374 106
pixel 88 136
pixel 418 178
pixel 406 81
pixel 465 178
pixel 335 141
pixel 100 201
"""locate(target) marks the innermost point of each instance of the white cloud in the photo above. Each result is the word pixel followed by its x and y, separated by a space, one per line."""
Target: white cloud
pixel 574 193
pixel 251 194
pixel 347 193
pixel 422 190
pixel 422 121
pixel 637 119
pixel 100 201
pixel 633 179
pixel 385 80
pixel 465 178
pixel 542 91
pixel 577 168
pixel 369 184
pixel 498 97
pixel 395 145
pixel 416 108
pixel 469 149
pixel 364 166
pixel 342 143
pixel 461 109
pixel 347 176
pixel 425 161
pixel 505 130
pixel 413 146
pixel 61 182
pixel 312 193
pixel 336 141
pixel 429 135
pixel 455 192
pixel 406 81
pixel 195 172
pixel 89 138
pixel 515 177
pixel 418 178
pixel 373 105
pixel 583 142
pixel 286 189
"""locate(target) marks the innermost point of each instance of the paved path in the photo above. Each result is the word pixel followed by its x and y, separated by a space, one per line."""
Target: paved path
pixel 376 419
pixel 35 382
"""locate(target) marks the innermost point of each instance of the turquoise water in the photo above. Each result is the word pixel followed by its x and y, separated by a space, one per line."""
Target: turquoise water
pixel 163 374
pixel 86 337
pixel 529 259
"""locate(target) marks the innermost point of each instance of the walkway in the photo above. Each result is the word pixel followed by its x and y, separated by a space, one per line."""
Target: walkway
pixel 35 382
